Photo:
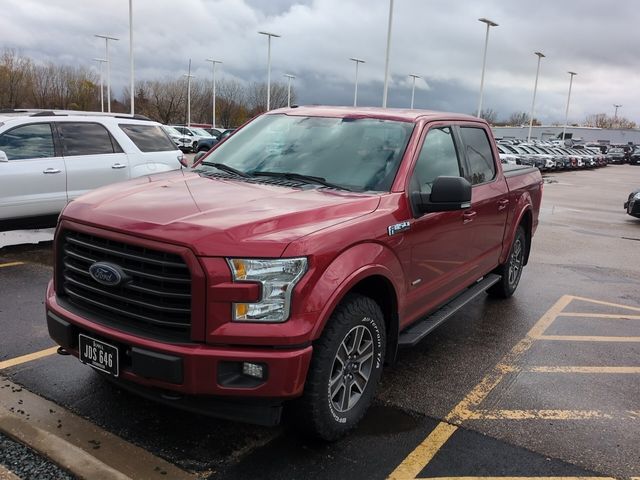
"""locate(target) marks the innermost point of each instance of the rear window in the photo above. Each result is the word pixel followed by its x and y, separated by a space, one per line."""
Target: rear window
pixel 479 155
pixel 149 138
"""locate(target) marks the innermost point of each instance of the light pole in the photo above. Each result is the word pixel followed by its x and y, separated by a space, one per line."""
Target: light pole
pixel 290 77
pixel 413 87
pixel 566 114
pixel 535 88
pixel 213 115
pixel 355 95
pixel 484 58
pixel 131 80
pixel 386 61
pixel 615 115
pixel 106 46
pixel 189 77
pixel 100 62
pixel 269 35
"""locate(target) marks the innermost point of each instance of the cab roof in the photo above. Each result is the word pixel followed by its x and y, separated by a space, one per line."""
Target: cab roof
pixel 397 114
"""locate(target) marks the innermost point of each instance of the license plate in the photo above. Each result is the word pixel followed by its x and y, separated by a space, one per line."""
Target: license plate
pixel 98 354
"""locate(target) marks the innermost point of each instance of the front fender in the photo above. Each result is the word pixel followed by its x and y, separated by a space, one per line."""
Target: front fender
pixel 346 270
pixel 150 169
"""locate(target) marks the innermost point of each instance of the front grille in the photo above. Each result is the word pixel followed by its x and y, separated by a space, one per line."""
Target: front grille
pixel 155 298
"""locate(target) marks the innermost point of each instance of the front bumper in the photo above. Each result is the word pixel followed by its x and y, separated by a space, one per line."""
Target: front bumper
pixel 633 207
pixel 193 369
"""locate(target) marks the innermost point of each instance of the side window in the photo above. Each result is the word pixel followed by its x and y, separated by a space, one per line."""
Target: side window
pixel 86 139
pixel 28 141
pixel 149 138
pixel 438 157
pixel 479 155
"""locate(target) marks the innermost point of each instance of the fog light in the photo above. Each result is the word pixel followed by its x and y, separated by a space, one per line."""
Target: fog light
pixel 253 369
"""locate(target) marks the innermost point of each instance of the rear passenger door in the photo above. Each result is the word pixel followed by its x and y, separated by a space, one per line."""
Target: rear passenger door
pixel 33 180
pixel 92 156
pixel 487 216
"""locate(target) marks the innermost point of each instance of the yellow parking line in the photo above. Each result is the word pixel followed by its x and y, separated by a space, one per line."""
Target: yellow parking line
pixel 613 370
pixel 27 358
pixel 11 264
pixel 540 415
pixel 522 478
pixel 420 457
pixel 423 453
pixel 613 316
pixel 607 304
pixel 585 338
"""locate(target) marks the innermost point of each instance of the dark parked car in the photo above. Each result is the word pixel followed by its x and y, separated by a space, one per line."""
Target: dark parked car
pixel 615 155
pixel 635 157
pixel 632 205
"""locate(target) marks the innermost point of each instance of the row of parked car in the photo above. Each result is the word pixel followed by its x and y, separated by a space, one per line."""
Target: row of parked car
pixel 196 139
pixel 549 156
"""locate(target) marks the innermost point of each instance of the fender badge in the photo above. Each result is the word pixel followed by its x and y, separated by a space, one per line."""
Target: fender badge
pixel 398 227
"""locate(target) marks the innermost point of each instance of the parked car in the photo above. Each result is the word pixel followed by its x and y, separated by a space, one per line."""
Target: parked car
pixel 196 134
pixel 48 159
pixel 635 157
pixel 205 144
pixel 214 132
pixel 183 142
pixel 292 262
pixel 616 155
pixel 632 205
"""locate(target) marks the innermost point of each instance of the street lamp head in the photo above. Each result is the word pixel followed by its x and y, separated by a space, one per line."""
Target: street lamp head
pixel 540 54
pixel 106 37
pixel 490 23
pixel 413 75
pixel 289 75
pixel 101 60
pixel 572 73
pixel 212 60
pixel 270 34
pixel 358 60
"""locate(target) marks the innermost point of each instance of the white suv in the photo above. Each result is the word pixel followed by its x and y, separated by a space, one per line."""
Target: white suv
pixel 50 158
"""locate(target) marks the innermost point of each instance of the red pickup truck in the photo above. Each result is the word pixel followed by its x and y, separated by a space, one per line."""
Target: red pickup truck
pixel 291 262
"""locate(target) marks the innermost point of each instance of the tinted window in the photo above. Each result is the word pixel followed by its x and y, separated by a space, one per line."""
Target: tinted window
pixel 28 141
pixel 479 155
pixel 149 138
pixel 85 139
pixel 438 157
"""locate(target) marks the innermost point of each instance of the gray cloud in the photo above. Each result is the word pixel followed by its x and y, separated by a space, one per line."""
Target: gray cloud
pixel 440 40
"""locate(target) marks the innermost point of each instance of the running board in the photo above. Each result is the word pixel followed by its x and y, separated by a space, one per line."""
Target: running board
pixel 416 332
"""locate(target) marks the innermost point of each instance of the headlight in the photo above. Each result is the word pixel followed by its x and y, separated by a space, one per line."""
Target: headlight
pixel 278 277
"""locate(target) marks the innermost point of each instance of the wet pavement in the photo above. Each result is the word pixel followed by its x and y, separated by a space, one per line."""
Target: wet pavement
pixel 565 403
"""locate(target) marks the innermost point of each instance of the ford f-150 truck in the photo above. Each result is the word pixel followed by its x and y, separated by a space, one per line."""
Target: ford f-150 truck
pixel 288 266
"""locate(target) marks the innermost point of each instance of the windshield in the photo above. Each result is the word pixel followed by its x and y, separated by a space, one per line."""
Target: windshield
pixel 356 154
pixel 201 132
pixel 171 131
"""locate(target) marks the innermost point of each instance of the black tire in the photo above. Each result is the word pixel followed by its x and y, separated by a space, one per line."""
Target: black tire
pixel 511 270
pixel 325 413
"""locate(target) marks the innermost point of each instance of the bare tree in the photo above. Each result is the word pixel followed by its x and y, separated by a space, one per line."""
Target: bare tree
pixel 490 115
pixel 257 96
pixel 231 108
pixel 602 120
pixel 14 79
pixel 518 118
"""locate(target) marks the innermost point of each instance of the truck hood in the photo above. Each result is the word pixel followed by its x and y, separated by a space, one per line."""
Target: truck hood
pixel 217 216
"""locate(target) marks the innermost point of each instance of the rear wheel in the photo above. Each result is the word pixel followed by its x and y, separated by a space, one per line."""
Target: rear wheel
pixel 345 369
pixel 511 270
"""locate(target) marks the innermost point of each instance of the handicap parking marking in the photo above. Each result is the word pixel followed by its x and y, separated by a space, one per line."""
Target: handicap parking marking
pixel 11 264
pixel 468 408
pixel 27 358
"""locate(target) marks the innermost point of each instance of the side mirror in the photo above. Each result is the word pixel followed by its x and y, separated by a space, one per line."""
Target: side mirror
pixel 3 157
pixel 447 194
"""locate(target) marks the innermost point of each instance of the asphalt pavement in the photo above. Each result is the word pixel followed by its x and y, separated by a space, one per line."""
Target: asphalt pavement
pixel 544 384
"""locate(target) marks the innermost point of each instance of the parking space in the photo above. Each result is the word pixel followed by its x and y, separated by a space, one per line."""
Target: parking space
pixel 542 385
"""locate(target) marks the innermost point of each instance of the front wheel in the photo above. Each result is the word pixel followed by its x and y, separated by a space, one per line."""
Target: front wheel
pixel 511 270
pixel 345 369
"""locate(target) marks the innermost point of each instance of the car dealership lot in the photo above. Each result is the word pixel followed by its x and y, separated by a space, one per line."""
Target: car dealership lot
pixel 543 385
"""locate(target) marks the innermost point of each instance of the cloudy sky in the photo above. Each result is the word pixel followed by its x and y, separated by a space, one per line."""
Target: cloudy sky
pixel 441 40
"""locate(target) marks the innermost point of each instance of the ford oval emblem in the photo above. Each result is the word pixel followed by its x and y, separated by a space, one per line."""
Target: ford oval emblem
pixel 106 273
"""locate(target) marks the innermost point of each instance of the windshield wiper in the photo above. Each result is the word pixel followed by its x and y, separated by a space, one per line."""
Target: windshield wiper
pixel 227 168
pixel 301 177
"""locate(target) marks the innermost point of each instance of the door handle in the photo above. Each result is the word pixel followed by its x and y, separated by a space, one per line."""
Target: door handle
pixel 468 216
pixel 51 170
pixel 118 166
pixel 502 204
